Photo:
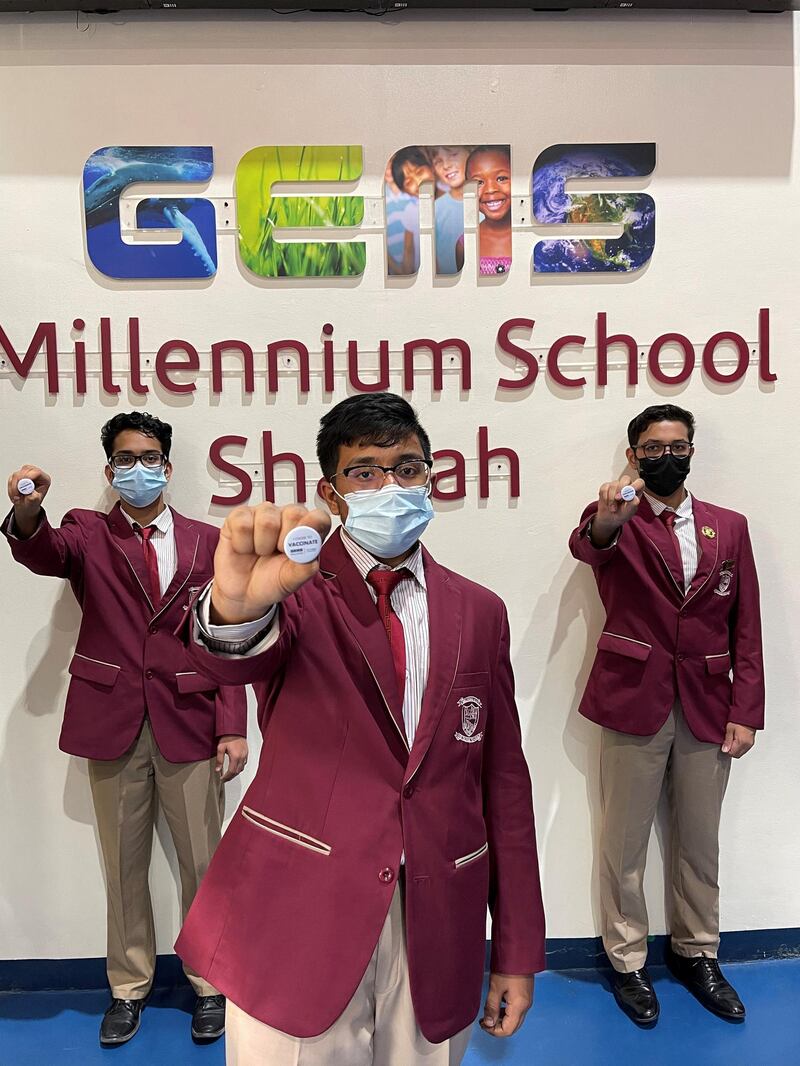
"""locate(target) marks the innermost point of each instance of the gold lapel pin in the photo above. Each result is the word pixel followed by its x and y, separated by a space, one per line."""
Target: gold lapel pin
pixel 707 531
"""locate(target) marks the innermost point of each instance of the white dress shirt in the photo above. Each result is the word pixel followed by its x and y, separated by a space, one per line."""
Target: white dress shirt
pixel 409 601
pixel 163 540
pixel 685 532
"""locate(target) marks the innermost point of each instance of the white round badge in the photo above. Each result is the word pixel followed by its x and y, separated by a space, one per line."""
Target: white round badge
pixel 302 544
pixel 25 486
pixel 628 493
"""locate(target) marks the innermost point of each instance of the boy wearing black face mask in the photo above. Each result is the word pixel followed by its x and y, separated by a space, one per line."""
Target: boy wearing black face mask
pixel 679 586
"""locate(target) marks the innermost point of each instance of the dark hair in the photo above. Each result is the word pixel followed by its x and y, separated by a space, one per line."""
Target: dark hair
pixel 140 423
pixel 663 412
pixel 413 154
pixel 500 149
pixel 379 418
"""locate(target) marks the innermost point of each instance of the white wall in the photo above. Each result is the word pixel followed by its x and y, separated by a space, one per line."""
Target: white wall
pixel 717 95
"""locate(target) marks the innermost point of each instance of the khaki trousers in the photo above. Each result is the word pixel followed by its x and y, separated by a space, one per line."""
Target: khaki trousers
pixel 126 793
pixel 632 772
pixel 376 1028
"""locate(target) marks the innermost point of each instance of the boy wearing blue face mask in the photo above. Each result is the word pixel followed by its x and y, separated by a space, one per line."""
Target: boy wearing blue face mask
pixel 384 509
pixel 152 728
pixel 392 804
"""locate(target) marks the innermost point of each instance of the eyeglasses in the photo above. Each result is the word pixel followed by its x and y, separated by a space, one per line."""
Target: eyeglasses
pixel 412 473
pixel 127 461
pixel 681 449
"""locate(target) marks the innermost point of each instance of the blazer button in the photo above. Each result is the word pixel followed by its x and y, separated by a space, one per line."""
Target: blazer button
pixel 149 675
pixel 681 657
pixel 152 629
pixel 386 875
pixel 408 791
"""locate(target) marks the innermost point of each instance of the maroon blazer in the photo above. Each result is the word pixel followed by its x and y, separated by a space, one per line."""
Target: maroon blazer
pixel 292 906
pixel 658 643
pixel 128 660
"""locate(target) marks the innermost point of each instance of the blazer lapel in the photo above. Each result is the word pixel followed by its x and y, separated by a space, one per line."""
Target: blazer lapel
pixel 187 541
pixel 660 537
pixel 444 610
pixel 708 546
pixel 360 614
pixel 130 547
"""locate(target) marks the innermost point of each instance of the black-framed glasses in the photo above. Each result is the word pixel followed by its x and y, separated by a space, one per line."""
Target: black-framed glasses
pixel 652 449
pixel 127 460
pixel 410 474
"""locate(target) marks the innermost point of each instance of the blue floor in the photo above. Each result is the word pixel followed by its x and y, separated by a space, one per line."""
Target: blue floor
pixel 575 1022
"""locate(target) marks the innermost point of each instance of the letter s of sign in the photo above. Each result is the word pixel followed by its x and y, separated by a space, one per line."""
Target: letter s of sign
pixel 634 211
pixel 106 175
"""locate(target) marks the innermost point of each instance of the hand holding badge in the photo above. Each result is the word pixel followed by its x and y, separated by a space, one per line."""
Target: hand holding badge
pixel 264 555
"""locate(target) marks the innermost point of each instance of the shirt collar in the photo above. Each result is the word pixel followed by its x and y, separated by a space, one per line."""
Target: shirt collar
pixel 365 562
pixel 684 511
pixel 162 522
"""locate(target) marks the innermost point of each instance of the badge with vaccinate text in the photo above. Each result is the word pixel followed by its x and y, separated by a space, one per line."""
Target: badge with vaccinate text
pixel 302 544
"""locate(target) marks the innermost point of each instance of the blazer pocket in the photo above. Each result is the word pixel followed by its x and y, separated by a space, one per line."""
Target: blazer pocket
pixel 719 664
pixel 465 860
pixel 469 680
pixel 96 670
pixel 191 681
pixel 278 829
pixel 627 646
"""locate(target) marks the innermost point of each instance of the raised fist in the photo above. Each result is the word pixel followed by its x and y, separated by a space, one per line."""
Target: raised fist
pixel 251 573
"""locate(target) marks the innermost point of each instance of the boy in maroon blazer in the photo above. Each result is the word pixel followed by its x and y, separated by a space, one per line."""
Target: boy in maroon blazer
pixel 152 726
pixel 344 914
pixel 678 687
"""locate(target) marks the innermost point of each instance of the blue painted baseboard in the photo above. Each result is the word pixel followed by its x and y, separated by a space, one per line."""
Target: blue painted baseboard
pixel 59 975
pixel 744 945
pixel 38 975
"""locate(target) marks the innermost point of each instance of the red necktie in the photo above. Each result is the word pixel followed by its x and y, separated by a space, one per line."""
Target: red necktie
pixel 384 581
pixel 151 561
pixel 669 521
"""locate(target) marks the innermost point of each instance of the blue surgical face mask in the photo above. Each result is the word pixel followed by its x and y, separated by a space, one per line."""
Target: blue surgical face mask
pixel 139 486
pixel 388 522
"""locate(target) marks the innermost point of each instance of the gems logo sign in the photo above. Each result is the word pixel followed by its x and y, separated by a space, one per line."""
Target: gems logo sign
pixel 262 213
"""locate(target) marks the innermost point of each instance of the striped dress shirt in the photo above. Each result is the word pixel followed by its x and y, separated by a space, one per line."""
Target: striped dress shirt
pixel 410 603
pixel 163 540
pixel 686 534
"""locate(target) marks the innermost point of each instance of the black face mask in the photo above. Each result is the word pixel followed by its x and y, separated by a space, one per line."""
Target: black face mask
pixel 665 475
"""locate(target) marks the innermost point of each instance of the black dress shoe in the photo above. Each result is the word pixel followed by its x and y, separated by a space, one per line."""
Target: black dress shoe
pixel 704 980
pixel 120 1022
pixel 208 1019
pixel 636 996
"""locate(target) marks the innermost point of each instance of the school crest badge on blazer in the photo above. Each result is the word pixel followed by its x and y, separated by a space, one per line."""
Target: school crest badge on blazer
pixel 725 578
pixel 470 716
